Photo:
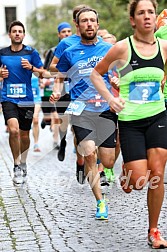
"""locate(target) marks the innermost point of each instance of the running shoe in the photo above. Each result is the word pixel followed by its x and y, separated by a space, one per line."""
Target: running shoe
pixel 103 179
pixel 155 239
pixel 123 181
pixel 18 175
pixel 80 173
pixel 61 152
pixel 102 210
pixel 23 166
pixel 109 174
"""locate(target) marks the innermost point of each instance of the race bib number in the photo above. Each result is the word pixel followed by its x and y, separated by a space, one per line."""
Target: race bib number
pixel 75 108
pixel 143 92
pixel 16 90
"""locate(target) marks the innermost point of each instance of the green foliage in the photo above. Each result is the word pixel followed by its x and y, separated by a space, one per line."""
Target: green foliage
pixel 42 26
pixel 113 16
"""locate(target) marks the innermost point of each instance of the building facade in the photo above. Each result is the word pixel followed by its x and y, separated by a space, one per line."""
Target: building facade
pixel 17 10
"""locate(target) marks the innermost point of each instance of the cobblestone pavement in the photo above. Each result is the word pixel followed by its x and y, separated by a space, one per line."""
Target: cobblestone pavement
pixel 52 212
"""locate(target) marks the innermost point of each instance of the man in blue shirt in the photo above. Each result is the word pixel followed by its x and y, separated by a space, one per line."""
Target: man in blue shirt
pixel 65 98
pixel 18 61
pixel 93 123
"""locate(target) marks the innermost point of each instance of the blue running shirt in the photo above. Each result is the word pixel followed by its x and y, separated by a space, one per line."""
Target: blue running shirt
pixel 18 74
pixel 78 62
pixel 65 43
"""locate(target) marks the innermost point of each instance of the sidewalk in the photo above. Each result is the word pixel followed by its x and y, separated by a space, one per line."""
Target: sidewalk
pixel 52 212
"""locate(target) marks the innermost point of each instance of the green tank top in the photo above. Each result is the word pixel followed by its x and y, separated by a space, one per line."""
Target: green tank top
pixel 140 84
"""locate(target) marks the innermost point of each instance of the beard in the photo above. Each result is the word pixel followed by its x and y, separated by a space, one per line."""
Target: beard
pixel 88 37
pixel 17 42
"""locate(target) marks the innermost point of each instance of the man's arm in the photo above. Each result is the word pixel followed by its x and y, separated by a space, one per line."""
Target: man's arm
pixel 53 64
pixel 39 72
pixel 57 89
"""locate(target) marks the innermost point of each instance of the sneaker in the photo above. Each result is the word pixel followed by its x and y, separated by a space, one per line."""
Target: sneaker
pixel 80 173
pixel 102 210
pixel 18 175
pixel 109 174
pixel 123 181
pixel 155 239
pixel 36 148
pixel 23 166
pixel 61 152
pixel 103 179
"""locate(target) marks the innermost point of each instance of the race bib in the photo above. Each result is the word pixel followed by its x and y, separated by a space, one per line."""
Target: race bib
pixel 75 108
pixel 143 92
pixel 16 90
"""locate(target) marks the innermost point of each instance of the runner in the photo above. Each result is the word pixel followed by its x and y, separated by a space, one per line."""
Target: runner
pixel 93 123
pixel 51 116
pixel 142 117
pixel 18 61
pixel 65 99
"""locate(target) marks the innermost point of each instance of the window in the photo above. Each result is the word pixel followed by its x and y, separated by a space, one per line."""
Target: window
pixel 10 15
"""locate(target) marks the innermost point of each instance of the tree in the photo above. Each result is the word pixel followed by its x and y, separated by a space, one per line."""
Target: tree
pixel 42 26
pixel 113 15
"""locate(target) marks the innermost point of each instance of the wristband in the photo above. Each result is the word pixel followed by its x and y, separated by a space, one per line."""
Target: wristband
pixel 32 68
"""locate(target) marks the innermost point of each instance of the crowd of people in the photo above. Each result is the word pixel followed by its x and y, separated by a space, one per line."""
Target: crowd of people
pixel 112 93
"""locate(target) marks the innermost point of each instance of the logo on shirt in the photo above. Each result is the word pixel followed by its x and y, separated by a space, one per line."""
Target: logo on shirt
pixel 82 52
pixel 134 63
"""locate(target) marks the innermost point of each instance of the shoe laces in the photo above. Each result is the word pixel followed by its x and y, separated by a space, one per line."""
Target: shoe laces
pixel 156 234
pixel 102 206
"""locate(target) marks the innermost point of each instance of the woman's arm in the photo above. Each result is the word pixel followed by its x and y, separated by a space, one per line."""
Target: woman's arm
pixel 113 58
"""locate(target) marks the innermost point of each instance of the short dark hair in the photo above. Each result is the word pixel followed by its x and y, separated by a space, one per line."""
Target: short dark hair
pixel 78 8
pixel 16 22
pixel 133 5
pixel 85 10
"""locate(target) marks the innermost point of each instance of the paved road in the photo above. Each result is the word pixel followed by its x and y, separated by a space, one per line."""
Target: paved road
pixel 52 212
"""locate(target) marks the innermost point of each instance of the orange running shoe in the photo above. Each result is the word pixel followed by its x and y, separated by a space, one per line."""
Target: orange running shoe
pixel 123 181
pixel 155 239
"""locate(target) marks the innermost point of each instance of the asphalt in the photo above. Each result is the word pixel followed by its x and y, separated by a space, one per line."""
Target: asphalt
pixel 52 212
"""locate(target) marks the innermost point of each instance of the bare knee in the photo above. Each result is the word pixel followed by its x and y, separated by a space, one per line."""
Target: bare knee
pixel 91 158
pixel 108 162
pixel 35 121
pixel 137 181
pixel 156 178
pixel 14 132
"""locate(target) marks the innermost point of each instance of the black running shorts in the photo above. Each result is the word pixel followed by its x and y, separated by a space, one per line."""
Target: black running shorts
pixel 137 136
